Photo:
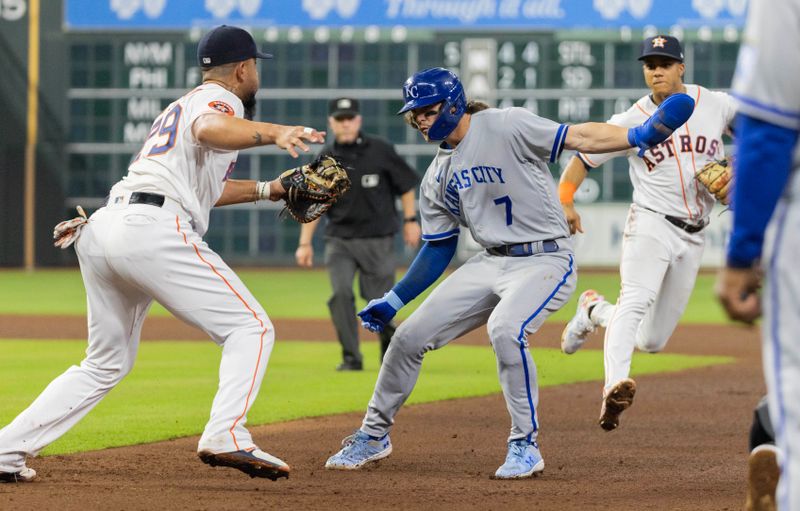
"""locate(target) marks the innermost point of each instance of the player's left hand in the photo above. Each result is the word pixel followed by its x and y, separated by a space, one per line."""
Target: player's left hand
pixel 737 290
pixel 380 311
pixel 290 137
pixel 573 218
pixel 670 115
pixel 411 234
pixel 311 189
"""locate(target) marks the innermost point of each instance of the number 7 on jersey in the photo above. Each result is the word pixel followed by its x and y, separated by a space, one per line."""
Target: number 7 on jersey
pixel 505 199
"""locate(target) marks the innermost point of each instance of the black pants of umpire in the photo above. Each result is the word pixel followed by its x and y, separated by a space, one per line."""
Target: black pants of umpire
pixel 374 260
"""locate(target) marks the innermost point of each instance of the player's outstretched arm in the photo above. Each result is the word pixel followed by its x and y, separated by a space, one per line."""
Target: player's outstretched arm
pixel 237 191
pixel 430 263
pixel 571 180
pixel 232 134
pixel 593 137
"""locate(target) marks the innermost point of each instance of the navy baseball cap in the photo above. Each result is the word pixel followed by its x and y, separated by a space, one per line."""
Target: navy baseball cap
pixel 662 46
pixel 226 44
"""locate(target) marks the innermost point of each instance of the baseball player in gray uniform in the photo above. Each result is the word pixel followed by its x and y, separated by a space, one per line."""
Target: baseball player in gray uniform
pixel 766 218
pixel 146 244
pixel 490 175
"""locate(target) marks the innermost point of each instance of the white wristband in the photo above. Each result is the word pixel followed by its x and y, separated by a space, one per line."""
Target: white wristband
pixel 262 190
pixel 394 300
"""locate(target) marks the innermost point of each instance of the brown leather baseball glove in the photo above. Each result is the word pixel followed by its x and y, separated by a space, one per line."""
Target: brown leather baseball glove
pixel 716 176
pixel 313 188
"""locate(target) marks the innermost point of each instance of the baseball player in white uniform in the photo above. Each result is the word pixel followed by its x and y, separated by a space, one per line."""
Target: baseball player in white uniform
pixel 146 244
pixel 766 219
pixel 490 175
pixel 663 238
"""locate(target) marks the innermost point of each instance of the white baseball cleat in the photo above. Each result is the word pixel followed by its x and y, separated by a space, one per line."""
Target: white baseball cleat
pixel 25 475
pixel 581 325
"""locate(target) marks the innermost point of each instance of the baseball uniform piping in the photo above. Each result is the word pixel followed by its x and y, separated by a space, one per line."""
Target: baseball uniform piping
pixel 585 158
pixel 521 341
pixel 780 427
pixel 178 225
pixel 694 164
pixel 790 115
pixel 441 235
pixel 680 175
pixel 558 143
pixel 260 341
pixel 694 167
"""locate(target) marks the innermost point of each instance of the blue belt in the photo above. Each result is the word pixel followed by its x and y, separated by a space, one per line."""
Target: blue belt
pixel 524 249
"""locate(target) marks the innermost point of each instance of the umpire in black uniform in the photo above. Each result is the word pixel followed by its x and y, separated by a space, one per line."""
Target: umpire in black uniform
pixel 359 235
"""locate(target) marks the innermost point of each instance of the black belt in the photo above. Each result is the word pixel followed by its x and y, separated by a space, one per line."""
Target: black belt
pixel 680 224
pixel 153 199
pixel 524 249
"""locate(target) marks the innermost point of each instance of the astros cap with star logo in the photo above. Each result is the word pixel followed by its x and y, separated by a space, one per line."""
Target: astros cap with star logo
pixel 663 46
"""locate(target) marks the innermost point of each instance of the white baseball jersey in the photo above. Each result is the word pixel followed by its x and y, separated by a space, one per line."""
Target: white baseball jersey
pixel 171 161
pixel 496 181
pixel 133 253
pixel 663 179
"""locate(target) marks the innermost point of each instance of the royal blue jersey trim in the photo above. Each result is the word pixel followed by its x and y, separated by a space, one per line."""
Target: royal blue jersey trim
pixel 441 236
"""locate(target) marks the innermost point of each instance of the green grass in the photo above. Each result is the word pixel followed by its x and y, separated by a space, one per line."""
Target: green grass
pixel 282 292
pixel 169 392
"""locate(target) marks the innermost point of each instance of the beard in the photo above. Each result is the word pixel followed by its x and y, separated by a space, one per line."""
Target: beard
pixel 250 104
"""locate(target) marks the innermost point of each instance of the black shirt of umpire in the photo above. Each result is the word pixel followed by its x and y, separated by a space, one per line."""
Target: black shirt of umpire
pixel 378 175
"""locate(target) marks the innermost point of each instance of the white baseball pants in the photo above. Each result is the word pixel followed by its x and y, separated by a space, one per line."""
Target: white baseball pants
pixel 658 270
pixel 130 255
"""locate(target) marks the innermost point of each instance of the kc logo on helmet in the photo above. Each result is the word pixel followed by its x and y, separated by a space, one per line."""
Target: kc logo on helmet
pixel 412 91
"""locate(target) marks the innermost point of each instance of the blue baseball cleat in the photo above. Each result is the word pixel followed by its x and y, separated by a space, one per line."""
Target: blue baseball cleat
pixel 523 460
pixel 359 449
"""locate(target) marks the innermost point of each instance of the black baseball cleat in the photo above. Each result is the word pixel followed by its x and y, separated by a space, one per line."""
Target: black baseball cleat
pixel 617 400
pixel 350 366
pixel 253 462
pixel 25 475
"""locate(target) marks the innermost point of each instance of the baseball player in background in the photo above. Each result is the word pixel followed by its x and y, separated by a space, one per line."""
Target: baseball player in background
pixel 489 175
pixel 664 233
pixel 146 244
pixel 762 464
pixel 766 218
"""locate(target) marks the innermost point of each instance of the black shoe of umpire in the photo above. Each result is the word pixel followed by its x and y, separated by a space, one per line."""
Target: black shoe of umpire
pixel 350 366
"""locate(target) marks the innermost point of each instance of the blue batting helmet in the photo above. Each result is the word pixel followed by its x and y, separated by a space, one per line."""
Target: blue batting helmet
pixel 431 86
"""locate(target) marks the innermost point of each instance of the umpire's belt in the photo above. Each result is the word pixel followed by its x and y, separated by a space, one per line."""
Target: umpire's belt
pixel 524 249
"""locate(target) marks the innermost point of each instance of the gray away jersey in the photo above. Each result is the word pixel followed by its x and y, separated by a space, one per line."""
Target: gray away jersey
pixel 496 181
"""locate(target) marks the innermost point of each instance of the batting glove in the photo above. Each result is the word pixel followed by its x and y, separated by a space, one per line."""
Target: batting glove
pixel 670 115
pixel 380 311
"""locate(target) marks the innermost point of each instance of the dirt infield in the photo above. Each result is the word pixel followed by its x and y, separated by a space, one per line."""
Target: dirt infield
pixel 681 446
